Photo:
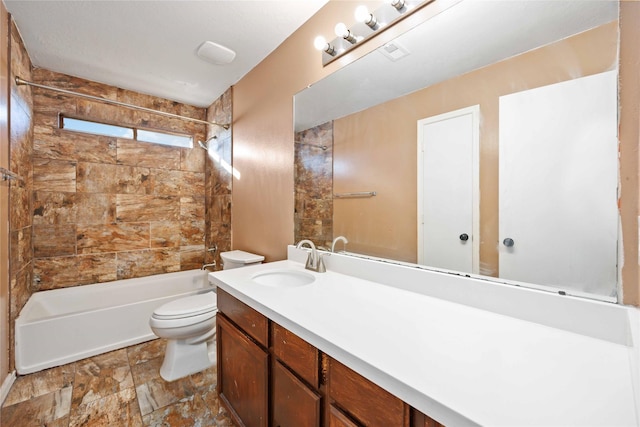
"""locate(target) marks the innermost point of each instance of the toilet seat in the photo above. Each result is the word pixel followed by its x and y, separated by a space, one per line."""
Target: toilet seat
pixel 194 305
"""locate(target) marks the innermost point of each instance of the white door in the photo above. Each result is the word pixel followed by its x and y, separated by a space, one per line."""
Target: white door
pixel 448 190
pixel 558 185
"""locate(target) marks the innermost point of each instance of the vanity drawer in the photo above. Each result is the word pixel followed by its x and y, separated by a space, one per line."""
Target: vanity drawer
pixel 249 320
pixel 368 403
pixel 296 353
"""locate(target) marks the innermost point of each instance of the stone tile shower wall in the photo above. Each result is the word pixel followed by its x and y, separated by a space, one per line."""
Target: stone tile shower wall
pixel 20 203
pixel 107 208
pixel 313 181
pixel 218 180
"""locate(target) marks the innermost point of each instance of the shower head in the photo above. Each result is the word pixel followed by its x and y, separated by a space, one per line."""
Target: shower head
pixel 205 144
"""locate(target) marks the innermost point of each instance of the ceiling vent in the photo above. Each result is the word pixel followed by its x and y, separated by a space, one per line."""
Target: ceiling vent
pixel 215 53
pixel 394 51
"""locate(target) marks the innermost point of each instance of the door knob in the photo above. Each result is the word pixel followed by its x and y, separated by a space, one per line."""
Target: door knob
pixel 464 237
pixel 508 242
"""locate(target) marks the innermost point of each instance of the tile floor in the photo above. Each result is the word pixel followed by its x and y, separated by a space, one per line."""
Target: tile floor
pixel 120 388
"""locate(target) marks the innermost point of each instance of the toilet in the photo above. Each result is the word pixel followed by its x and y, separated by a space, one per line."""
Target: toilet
pixel 235 259
pixel 189 325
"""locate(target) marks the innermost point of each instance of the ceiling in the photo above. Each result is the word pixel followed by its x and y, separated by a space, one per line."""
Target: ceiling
pixel 150 46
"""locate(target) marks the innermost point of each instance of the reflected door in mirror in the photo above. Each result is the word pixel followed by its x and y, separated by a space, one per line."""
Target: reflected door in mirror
pixel 447 190
pixel 558 185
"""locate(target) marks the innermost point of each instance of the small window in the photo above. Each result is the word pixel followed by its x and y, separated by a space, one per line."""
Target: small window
pixel 97 128
pixel 165 138
pixel 156 137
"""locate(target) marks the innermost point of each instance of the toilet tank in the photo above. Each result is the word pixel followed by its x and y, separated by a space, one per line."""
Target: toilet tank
pixel 235 259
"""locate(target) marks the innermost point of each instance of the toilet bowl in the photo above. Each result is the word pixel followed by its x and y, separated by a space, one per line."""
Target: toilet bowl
pixel 189 326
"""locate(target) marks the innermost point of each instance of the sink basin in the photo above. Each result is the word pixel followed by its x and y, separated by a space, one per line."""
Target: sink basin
pixel 284 278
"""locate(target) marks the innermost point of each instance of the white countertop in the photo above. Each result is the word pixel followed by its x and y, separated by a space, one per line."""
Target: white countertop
pixel 459 364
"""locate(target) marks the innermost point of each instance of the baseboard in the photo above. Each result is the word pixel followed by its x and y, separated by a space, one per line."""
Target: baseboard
pixel 6 386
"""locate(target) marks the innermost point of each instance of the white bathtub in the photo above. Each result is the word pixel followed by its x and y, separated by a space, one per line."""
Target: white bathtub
pixel 64 325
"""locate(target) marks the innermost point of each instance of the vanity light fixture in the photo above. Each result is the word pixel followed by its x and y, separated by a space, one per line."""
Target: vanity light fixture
pixel 363 15
pixel 398 4
pixel 341 30
pixel 321 43
pixel 368 25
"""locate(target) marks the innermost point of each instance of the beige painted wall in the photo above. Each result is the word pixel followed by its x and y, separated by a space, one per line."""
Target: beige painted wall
pixel 263 134
pixel 386 225
pixel 263 203
pixel 262 219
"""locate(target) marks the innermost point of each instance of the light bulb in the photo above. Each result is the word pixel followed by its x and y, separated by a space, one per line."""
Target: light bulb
pixel 320 43
pixel 398 4
pixel 362 13
pixel 341 30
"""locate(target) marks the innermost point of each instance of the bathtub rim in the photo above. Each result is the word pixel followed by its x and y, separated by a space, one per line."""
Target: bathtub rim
pixel 23 322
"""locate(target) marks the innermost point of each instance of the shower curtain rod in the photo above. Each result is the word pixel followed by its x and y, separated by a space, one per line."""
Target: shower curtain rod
pixel 21 82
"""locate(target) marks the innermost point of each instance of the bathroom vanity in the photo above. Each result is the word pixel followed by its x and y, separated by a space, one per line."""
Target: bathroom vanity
pixel 379 344
pixel 261 363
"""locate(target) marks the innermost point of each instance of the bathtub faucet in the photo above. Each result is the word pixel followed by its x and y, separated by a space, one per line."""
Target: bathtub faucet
pixel 314 261
pixel 205 266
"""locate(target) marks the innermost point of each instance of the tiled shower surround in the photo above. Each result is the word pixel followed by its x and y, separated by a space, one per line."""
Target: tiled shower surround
pixel 107 208
pixel 20 194
pixel 95 208
pixel 313 181
pixel 218 180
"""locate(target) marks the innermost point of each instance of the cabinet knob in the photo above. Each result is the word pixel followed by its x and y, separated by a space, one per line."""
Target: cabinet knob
pixel 464 237
pixel 508 242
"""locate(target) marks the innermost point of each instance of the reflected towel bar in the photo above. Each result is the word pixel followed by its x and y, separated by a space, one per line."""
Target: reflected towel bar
pixel 357 194
pixel 7 175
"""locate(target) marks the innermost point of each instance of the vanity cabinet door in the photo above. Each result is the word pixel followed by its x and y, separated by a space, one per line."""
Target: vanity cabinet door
pixel 338 419
pixel 369 404
pixel 294 404
pixel 243 381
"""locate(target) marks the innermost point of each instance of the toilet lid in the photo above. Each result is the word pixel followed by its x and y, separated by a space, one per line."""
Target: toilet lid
pixel 241 257
pixel 187 306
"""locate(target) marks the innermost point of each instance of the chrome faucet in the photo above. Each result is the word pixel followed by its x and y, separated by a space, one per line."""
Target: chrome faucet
pixel 336 240
pixel 314 261
pixel 205 266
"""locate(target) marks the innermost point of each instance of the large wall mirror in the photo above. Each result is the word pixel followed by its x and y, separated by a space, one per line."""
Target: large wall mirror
pixel 482 141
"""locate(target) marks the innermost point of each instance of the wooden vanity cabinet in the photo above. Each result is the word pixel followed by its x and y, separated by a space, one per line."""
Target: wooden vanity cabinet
pixel 297 354
pixel 246 318
pixel 268 376
pixel 338 419
pixel 294 403
pixel 243 362
pixel 296 398
pixel 364 402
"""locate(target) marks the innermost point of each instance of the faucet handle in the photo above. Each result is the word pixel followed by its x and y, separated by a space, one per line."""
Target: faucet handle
pixel 310 264
pixel 320 267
